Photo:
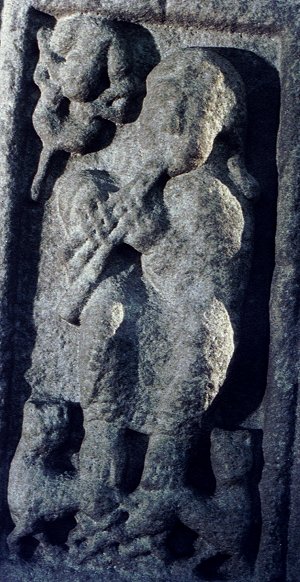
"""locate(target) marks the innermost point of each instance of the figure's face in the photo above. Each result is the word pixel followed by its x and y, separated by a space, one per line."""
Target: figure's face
pixel 179 129
pixel 80 62
pixel 163 131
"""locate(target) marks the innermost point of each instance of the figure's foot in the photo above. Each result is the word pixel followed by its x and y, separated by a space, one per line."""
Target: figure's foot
pixel 150 512
pixel 138 526
pixel 91 536
pixel 144 546
pixel 23 538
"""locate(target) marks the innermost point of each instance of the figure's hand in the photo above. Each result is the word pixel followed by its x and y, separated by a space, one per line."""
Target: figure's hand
pixel 110 105
pixel 96 220
pixel 131 199
pixel 52 96
pixel 126 206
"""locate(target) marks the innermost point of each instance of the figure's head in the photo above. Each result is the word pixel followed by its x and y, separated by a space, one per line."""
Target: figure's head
pixel 79 46
pixel 192 96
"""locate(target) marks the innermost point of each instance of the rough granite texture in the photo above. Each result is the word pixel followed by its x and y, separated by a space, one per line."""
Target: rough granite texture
pixel 149 288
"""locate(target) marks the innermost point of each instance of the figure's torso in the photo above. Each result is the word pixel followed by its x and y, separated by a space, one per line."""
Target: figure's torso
pixel 206 227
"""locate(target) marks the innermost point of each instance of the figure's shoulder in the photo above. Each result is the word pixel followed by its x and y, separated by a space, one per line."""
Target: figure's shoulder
pixel 201 179
pixel 201 193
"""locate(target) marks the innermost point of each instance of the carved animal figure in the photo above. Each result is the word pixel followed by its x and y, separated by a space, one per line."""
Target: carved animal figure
pixel 36 492
pixel 223 521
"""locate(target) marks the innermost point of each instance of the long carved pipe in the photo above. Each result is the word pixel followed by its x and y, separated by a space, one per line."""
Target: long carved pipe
pixel 74 300
pixel 42 171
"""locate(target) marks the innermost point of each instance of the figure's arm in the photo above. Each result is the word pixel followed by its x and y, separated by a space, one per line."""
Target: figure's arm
pixel 124 84
pixel 46 61
pixel 245 182
pixel 46 109
pixel 130 200
pixel 95 225
pixel 41 73
pixel 76 260
pixel 76 297
pixel 127 207
pixel 120 67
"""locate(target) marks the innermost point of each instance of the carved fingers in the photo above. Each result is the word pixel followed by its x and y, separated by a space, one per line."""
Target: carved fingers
pixel 129 202
pixel 94 221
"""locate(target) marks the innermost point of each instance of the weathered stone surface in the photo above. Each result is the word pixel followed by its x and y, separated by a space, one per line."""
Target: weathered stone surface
pixel 142 10
pixel 148 373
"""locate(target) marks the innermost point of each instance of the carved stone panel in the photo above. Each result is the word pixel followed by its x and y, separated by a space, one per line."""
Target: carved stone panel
pixel 149 389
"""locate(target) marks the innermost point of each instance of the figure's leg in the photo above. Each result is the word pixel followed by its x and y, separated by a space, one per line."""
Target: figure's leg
pixel 106 348
pixel 102 458
pixel 101 455
pixel 101 464
pixel 201 347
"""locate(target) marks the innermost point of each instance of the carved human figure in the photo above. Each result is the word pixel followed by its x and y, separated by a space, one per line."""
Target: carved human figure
pixel 199 268
pixel 188 214
pixel 90 75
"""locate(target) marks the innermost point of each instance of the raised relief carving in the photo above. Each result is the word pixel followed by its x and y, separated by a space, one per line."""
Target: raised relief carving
pixel 85 86
pixel 157 270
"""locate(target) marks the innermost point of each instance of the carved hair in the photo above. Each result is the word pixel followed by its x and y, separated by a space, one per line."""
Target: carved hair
pixel 68 30
pixel 204 83
pixel 204 95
